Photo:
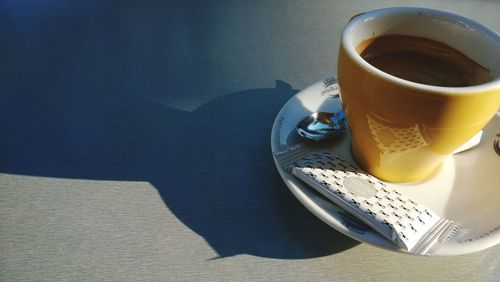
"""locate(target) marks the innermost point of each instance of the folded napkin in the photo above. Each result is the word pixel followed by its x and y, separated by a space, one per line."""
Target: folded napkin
pixel 408 224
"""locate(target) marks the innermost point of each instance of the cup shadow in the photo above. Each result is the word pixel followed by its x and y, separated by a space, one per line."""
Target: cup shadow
pixel 212 167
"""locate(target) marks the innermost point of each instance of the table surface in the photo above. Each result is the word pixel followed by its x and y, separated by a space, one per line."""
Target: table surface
pixel 134 143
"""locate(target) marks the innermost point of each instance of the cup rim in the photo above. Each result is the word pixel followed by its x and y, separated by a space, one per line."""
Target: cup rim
pixel 350 49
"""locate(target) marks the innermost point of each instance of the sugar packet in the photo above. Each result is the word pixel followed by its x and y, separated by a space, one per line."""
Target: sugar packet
pixel 408 224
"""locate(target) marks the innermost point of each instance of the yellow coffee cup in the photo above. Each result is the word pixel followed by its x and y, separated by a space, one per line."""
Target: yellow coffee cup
pixel 402 130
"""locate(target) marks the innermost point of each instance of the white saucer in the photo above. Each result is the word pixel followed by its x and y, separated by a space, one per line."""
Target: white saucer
pixel 466 189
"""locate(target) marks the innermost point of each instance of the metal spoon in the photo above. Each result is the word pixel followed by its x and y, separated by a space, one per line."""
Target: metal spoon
pixel 322 125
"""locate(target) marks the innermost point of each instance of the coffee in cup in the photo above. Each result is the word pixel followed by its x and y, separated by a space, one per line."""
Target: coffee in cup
pixel 422 60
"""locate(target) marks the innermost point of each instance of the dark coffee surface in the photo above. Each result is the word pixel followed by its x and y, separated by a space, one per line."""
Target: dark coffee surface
pixel 423 61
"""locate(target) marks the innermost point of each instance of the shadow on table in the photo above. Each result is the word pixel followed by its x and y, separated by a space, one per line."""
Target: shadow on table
pixel 213 167
pixel 84 91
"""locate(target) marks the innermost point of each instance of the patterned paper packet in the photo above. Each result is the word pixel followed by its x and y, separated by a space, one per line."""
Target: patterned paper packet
pixel 395 216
